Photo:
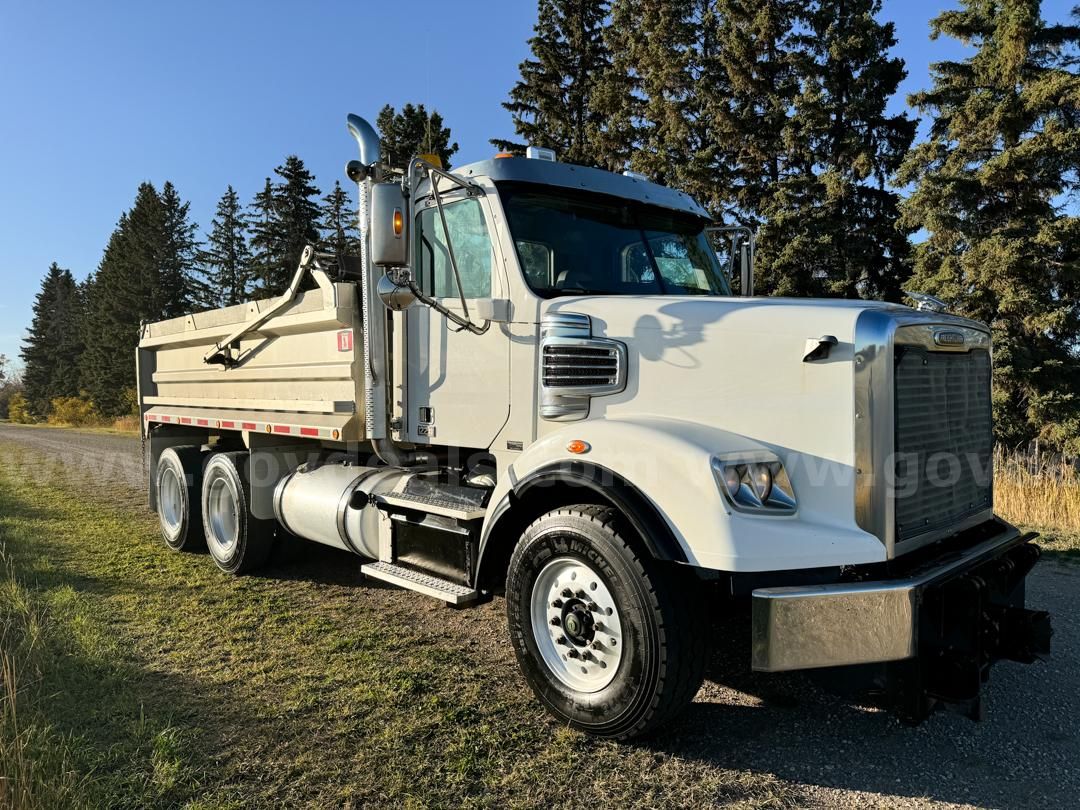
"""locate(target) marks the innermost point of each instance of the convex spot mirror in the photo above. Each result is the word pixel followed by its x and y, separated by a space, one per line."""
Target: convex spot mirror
pixel 389 244
pixel 394 291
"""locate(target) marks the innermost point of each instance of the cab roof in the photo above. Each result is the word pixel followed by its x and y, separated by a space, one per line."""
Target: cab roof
pixel 582 178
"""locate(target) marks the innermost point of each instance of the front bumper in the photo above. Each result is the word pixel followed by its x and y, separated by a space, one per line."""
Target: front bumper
pixel 950 619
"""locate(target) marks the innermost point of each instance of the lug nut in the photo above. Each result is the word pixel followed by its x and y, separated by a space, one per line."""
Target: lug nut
pixel 599 627
pixel 560 640
pixel 556 621
pixel 567 593
pixel 586 656
pixel 580 594
pixel 574 654
pixel 596 645
pixel 558 603
pixel 593 607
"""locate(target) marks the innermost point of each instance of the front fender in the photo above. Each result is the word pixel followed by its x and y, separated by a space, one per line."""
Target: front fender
pixel 668 462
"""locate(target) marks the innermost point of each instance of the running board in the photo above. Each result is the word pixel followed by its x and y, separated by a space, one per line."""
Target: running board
pixel 435 587
pixel 431 506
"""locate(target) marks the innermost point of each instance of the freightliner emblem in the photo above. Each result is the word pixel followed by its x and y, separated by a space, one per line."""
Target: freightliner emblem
pixel 944 338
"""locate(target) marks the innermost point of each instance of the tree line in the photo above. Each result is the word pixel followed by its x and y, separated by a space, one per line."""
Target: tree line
pixel 774 114
pixel 82 338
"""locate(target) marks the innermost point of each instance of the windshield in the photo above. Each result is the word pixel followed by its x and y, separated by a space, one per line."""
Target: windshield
pixel 574 243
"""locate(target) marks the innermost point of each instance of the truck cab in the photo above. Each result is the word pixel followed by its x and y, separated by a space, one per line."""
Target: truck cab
pixel 541 384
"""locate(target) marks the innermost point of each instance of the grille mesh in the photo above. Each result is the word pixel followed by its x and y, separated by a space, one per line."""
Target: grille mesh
pixel 570 366
pixel 944 439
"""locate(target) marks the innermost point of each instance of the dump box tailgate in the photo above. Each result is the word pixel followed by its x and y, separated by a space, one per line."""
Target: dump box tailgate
pixel 303 367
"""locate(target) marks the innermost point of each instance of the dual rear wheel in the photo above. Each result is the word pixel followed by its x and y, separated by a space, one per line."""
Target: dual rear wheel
pixel 204 501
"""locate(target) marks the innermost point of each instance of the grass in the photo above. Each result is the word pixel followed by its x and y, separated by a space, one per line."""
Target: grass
pixel 144 678
pixel 1041 493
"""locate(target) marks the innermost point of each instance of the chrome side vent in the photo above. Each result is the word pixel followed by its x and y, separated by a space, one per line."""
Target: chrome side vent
pixel 575 366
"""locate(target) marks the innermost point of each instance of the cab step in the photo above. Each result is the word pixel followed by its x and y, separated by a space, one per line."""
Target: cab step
pixel 435 587
pixel 431 505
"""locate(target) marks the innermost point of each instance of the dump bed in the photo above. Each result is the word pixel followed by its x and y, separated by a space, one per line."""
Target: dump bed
pixel 300 373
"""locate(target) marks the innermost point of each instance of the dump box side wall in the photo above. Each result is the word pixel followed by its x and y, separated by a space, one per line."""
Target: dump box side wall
pixel 305 361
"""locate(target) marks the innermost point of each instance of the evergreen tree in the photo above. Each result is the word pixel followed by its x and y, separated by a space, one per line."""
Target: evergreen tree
pixel 266 238
pixel 144 275
pixel 990 187
pixel 413 132
pixel 180 287
pixel 51 348
pixel 339 223
pixel 832 222
pixel 226 259
pixel 552 103
pixel 285 218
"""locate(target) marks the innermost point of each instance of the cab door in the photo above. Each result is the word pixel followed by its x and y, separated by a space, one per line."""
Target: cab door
pixel 458 383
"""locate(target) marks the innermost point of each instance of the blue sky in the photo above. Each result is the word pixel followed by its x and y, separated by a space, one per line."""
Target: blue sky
pixel 97 97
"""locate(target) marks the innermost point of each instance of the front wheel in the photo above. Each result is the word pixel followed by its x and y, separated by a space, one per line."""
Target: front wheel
pixel 611 641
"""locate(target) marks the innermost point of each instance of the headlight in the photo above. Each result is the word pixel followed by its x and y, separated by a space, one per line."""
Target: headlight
pixel 755 481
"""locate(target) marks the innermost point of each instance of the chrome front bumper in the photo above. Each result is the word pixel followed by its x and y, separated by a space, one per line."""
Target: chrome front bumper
pixel 870 622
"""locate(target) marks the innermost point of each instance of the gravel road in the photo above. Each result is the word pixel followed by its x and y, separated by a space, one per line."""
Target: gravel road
pixel 832 752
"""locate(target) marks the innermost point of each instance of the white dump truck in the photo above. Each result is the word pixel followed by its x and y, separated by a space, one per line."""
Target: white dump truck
pixel 536 381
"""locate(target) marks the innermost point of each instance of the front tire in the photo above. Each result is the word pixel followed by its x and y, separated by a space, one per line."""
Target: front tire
pixel 238 541
pixel 612 642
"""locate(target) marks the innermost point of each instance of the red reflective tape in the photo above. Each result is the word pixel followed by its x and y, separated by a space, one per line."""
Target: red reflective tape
pixel 248 426
pixel 165 418
pixel 228 424
pixel 282 429
pixel 202 422
pixel 309 431
pixel 185 420
pixel 149 417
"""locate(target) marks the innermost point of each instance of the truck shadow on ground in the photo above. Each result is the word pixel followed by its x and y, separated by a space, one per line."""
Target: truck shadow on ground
pixel 799 729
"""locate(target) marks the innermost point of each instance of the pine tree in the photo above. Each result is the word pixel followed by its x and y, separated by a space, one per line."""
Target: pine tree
pixel 52 347
pixel 339 224
pixel 226 260
pixel 180 288
pixel 991 187
pixel 832 223
pixel 413 132
pixel 266 238
pixel 144 275
pixel 551 104
pixel 285 219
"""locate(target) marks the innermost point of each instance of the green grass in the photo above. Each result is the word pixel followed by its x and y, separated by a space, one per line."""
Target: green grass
pixel 149 679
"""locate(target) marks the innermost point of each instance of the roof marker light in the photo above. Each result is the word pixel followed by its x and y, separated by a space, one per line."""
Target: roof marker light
pixel 540 153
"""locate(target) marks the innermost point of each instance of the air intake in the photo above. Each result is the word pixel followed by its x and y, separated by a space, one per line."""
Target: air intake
pixel 575 366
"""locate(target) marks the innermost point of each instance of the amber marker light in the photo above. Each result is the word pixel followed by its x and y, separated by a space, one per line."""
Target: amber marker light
pixel 336 433
pixel 504 155
pixel 577 446
pixel 399 222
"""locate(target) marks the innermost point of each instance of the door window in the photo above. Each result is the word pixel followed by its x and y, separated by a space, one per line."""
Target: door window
pixel 472 249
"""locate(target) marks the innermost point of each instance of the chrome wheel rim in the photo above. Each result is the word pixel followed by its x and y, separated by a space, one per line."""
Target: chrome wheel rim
pixel 170 501
pixel 576 624
pixel 223 518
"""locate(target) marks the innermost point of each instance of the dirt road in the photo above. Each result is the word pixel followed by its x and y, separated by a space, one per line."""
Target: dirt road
pixel 829 751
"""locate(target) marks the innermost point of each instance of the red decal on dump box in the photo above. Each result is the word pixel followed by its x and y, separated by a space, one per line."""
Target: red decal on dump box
pixel 344 341
pixel 228 424
pixel 165 418
pixel 203 422
pixel 281 428
pixel 248 426
pixel 185 420
pixel 309 431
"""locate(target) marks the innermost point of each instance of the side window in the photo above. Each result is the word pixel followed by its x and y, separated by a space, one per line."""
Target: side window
pixel 472 249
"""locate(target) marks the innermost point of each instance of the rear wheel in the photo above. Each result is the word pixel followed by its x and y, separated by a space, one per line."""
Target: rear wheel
pixel 238 541
pixel 178 485
pixel 611 641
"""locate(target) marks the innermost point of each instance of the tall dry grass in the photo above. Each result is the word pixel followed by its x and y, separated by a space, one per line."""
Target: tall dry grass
pixel 34 770
pixel 1037 490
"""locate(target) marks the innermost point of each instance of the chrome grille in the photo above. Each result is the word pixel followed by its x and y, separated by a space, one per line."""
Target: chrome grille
pixel 580 366
pixel 943 441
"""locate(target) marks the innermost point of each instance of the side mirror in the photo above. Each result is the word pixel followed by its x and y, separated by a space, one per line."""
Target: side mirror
pixel 389 245
pixel 394 291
